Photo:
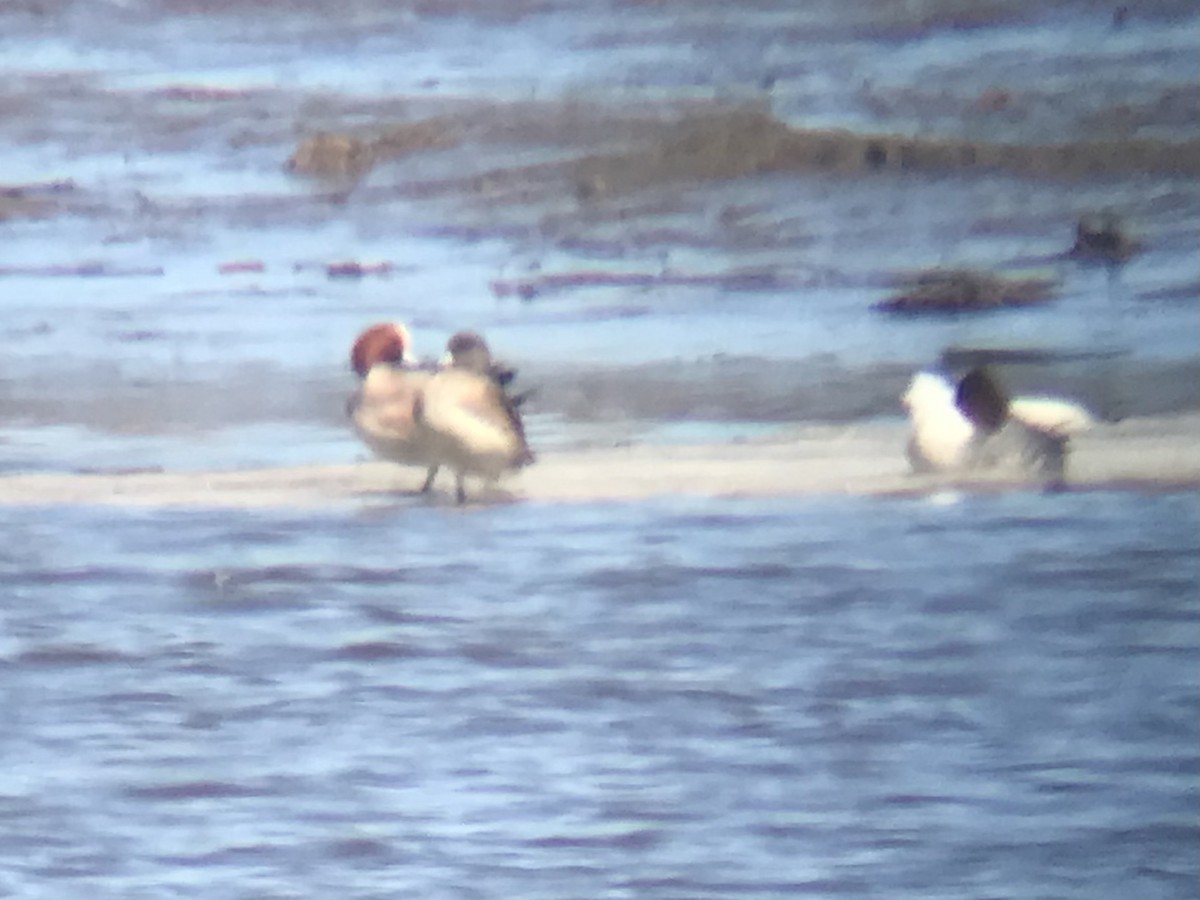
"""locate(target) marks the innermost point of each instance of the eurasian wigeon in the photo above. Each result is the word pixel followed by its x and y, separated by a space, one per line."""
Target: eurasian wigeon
pixel 468 350
pixel 383 407
pixel 472 423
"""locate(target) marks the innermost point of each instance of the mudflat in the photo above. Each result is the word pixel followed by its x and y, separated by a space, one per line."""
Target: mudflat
pixel 859 459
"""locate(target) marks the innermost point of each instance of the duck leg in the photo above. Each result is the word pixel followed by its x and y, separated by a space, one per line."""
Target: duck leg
pixel 428 485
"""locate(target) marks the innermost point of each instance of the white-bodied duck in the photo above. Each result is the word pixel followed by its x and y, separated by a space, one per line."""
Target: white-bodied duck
pixel 974 425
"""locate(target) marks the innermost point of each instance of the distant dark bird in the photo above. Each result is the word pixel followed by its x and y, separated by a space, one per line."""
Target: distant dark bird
pixel 1100 237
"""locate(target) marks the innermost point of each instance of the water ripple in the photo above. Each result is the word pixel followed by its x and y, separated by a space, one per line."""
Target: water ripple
pixel 694 699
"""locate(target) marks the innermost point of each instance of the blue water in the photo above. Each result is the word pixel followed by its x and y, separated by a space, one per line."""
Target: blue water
pixel 993 696
pixel 669 700
pixel 187 185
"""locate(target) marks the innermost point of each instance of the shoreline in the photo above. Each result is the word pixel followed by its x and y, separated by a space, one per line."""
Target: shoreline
pixel 856 460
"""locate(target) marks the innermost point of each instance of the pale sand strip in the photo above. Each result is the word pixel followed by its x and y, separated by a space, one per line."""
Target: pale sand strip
pixel 857 459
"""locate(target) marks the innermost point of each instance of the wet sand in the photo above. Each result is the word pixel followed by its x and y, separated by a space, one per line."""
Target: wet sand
pixel 865 459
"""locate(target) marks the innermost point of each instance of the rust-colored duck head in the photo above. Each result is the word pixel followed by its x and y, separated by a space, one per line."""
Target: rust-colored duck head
pixel 386 342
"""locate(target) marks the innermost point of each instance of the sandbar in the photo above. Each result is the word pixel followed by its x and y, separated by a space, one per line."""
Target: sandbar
pixel 859 459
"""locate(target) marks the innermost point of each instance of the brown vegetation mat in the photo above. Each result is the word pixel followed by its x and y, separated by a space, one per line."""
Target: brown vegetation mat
pixel 965 290
pixel 713 141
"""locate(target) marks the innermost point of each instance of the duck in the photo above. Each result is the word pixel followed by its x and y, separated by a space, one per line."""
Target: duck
pixel 940 433
pixel 973 424
pixel 1051 414
pixel 1102 238
pixel 382 409
pixel 468 350
pixel 469 419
